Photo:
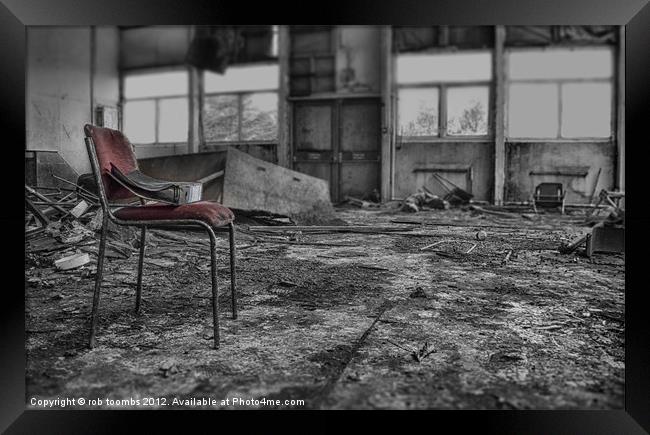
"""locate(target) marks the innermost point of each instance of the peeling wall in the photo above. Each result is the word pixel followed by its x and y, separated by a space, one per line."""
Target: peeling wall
pixel 361 45
pixel 447 158
pixel 58 90
pixel 524 157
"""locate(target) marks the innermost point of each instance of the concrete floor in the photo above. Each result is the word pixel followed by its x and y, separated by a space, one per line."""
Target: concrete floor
pixel 334 319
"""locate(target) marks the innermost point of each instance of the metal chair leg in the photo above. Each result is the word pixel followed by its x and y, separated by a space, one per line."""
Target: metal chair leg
pixel 138 291
pixel 215 299
pixel 98 281
pixel 233 273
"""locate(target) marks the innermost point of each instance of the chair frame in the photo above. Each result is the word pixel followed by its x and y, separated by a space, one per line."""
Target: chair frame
pixel 144 224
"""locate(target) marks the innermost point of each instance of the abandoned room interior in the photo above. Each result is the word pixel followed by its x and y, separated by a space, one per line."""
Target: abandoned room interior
pixel 325 217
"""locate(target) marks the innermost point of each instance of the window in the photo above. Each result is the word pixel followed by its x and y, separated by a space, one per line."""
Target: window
pixel 156 107
pixel 559 93
pixel 444 95
pixel 242 104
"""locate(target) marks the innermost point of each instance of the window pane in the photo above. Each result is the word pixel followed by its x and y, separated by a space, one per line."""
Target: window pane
pixel 586 110
pixel 220 118
pixel 560 63
pixel 140 121
pixel 467 110
pixel 156 84
pixel 533 110
pixel 260 116
pixel 418 112
pixel 243 78
pixel 173 120
pixel 456 67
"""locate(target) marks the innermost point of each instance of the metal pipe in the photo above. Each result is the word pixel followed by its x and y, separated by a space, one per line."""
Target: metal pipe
pixel 233 274
pixel 98 281
pixel 76 185
pixel 215 295
pixel 138 291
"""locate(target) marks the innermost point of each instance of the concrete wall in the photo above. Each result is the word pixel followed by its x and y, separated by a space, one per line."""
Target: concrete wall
pixel 107 78
pixel 524 157
pixel 363 45
pixel 446 158
pixel 58 90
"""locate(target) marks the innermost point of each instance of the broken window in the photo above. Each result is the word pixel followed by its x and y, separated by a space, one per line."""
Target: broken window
pixel 156 107
pixel 444 94
pixel 560 92
pixel 242 104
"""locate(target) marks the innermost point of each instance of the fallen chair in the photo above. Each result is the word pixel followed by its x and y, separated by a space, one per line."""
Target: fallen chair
pixel 549 195
pixel 108 147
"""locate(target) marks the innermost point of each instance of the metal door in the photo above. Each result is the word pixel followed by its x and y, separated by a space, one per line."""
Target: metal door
pixel 339 140
pixel 359 147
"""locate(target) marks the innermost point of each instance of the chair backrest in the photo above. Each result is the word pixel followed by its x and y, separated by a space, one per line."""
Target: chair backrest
pixel 112 147
pixel 549 189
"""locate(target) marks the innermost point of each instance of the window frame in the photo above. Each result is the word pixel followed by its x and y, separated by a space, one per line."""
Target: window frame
pixel 559 83
pixel 156 100
pixel 240 95
pixel 443 87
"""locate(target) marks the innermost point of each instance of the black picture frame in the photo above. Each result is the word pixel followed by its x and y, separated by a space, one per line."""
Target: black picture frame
pixel 15 15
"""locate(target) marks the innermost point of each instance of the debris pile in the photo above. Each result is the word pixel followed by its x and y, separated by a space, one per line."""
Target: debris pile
pixel 61 225
pixel 424 199
pixel 372 202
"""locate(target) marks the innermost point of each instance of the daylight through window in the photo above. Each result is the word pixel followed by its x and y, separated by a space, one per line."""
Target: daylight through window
pixel 560 93
pixel 443 95
pixel 156 107
pixel 242 104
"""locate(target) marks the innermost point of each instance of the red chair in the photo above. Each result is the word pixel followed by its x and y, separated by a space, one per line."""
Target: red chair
pixel 106 147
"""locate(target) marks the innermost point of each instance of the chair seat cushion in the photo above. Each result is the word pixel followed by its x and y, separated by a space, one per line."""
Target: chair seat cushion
pixel 210 212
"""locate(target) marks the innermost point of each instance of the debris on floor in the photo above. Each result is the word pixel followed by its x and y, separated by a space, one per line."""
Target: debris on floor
pixel 506 323
pixel 423 199
pixel 72 261
pixel 362 203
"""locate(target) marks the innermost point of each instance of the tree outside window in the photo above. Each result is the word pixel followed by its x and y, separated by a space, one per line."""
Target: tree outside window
pixel 242 104
pixel 444 95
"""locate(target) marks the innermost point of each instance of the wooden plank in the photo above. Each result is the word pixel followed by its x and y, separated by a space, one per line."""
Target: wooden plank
pixel 499 115
pixel 253 184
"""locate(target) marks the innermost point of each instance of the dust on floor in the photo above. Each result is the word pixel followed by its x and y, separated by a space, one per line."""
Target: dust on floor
pixel 344 320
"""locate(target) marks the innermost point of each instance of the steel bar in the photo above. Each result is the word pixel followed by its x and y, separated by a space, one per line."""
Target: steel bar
pixel 138 291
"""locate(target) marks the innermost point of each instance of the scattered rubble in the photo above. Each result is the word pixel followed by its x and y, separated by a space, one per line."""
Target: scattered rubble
pixel 72 261
pixel 423 199
pixel 418 293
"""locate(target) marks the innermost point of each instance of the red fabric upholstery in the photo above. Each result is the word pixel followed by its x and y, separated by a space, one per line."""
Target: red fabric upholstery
pixel 112 147
pixel 210 212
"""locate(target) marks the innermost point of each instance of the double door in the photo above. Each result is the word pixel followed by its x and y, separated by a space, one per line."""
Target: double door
pixel 339 140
